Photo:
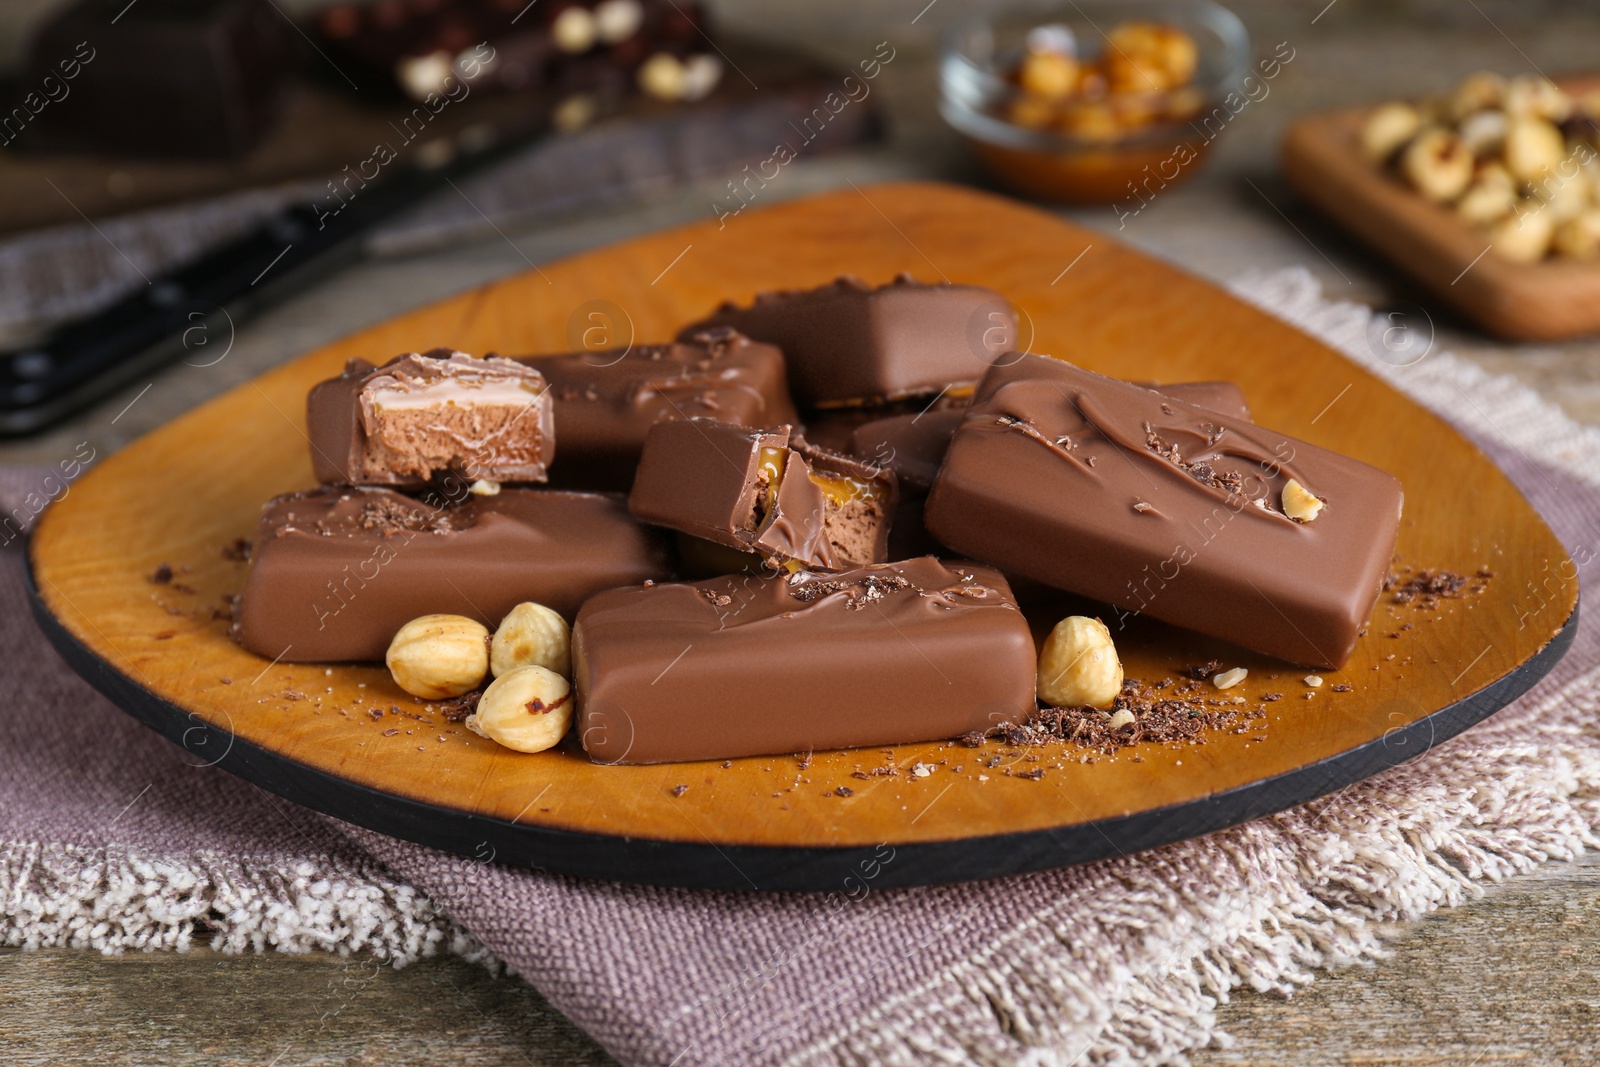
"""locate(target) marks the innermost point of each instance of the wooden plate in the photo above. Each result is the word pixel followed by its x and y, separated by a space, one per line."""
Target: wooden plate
pixel 1521 301
pixel 185 492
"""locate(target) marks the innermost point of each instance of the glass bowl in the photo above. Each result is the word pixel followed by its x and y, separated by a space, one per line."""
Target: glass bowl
pixel 1151 140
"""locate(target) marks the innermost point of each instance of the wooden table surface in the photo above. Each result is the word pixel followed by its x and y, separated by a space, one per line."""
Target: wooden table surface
pixel 1510 977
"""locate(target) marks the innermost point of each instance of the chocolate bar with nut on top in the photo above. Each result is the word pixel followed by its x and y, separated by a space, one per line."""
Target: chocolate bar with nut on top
pixel 1203 520
pixel 764 491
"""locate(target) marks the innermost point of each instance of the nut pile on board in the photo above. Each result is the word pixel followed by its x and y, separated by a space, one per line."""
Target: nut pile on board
pixel 1513 157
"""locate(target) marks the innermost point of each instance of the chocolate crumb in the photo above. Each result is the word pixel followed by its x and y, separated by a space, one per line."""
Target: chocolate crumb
pixel 1343 688
pixel 844 791
pixel 181 588
pixel 225 681
pixel 727 763
pixel 163 574
pixel 972 739
pixel 292 694
pixel 391 731
pixel 458 708
pixel 1270 697
pixel 238 550
pixel 1033 775
pixel 1201 671
pixel 679 790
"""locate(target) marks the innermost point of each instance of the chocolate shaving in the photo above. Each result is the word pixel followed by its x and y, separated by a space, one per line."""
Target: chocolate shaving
pixel 163 574
pixel 679 790
pixel 1425 588
pixel 455 709
pixel 238 550
pixel 844 791
pixel 1201 671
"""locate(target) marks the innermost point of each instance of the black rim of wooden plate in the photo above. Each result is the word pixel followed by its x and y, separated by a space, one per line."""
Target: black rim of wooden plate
pixel 704 865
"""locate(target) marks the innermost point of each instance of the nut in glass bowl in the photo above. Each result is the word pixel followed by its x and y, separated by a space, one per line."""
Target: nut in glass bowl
pixel 1058 110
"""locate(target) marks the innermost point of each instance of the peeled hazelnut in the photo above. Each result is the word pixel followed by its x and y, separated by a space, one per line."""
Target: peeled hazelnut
pixel 529 709
pixel 1120 718
pixel 1314 680
pixel 662 76
pixel 1487 200
pixel 1476 92
pixel 1563 198
pixel 1144 57
pixel 1533 148
pixel 1437 165
pixel 1229 679
pixel 1532 96
pixel 1388 128
pixel 1579 236
pixel 1300 504
pixel 1031 112
pixel 574 30
pixel 1525 235
pixel 531 635
pixel 1483 132
pixel 617 20
pixel 1051 75
pixel 1090 120
pixel 1078 665
pixel 439 656
pixel 484 487
pixel 701 73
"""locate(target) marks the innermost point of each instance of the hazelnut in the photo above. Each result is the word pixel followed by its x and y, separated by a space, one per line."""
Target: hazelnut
pixel 617 20
pixel 1532 96
pixel 1314 680
pixel 1476 92
pixel 574 30
pixel 1119 718
pixel 1437 165
pixel 701 73
pixel 1299 503
pixel 531 635
pixel 1031 112
pixel 1562 197
pixel 1146 57
pixel 439 656
pixel 663 77
pixel 1388 129
pixel 1051 75
pixel 1484 132
pixel 1523 236
pixel 1229 679
pixel 1078 665
pixel 1091 121
pixel 484 487
pixel 1579 236
pixel 528 709
pixel 1533 148
pixel 1489 198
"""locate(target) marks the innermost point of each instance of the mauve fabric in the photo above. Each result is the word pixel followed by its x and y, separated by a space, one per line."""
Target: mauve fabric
pixel 658 976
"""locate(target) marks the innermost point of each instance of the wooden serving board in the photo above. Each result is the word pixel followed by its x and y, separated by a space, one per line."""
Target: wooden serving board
pixel 1542 301
pixel 185 492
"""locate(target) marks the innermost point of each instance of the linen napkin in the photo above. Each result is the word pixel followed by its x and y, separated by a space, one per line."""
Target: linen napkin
pixel 111 838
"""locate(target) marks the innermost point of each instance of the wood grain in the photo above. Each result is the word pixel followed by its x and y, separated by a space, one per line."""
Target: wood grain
pixel 1541 301
pixel 182 493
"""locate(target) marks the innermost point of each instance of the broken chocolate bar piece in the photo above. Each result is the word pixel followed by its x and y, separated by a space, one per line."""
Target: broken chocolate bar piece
pixel 606 402
pixel 422 415
pixel 336 571
pixel 847 342
pixel 914 445
pixel 764 491
pixel 1108 490
pixel 745 666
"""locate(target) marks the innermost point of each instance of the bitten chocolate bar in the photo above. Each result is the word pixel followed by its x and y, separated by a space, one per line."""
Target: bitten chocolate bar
pixel 764 491
pixel 1201 519
pixel 336 571
pixel 847 342
pixel 425 414
pixel 914 445
pixel 745 666
pixel 606 402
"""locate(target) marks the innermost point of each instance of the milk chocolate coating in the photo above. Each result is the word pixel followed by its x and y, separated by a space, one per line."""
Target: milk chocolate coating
pixel 1111 491
pixel 606 402
pixel 337 570
pixel 846 342
pixel 745 666
pixel 424 414
pixel 914 445
pixel 706 478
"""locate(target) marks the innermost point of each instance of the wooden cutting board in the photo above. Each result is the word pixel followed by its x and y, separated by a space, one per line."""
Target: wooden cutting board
pixel 181 495
pixel 1543 301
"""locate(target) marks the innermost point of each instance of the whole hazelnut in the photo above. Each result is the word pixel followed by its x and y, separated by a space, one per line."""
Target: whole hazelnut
pixel 1525 235
pixel 528 709
pixel 531 635
pixel 439 656
pixel 1078 665
pixel 1437 165
pixel 1387 130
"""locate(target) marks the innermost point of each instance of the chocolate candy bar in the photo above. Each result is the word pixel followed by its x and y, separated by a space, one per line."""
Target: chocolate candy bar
pixel 764 491
pixel 913 446
pixel 1201 519
pixel 175 78
pixel 847 342
pixel 745 666
pixel 337 570
pixel 421 415
pixel 606 402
